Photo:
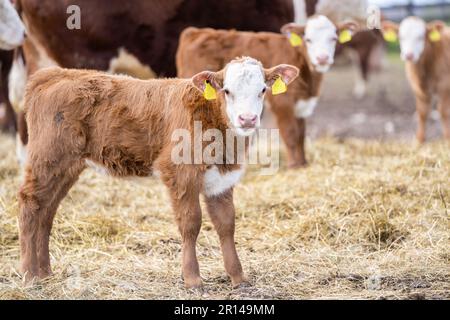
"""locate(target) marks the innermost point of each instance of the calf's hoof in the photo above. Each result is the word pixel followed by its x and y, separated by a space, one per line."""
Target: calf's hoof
pixel 194 283
pixel 298 165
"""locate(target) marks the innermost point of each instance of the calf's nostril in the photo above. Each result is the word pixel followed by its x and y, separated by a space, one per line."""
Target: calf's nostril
pixel 248 120
pixel 323 58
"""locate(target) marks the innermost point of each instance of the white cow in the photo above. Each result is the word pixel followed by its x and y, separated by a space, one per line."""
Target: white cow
pixel 12 30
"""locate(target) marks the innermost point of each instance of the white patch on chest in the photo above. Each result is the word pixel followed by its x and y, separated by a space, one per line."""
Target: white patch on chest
pixel 97 167
pixel 216 183
pixel 305 108
pixel 21 151
pixel 17 83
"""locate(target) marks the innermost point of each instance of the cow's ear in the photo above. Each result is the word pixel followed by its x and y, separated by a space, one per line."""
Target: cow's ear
pixel 286 72
pixel 389 26
pixel 215 79
pixel 350 26
pixel 289 28
pixel 436 25
pixel 390 31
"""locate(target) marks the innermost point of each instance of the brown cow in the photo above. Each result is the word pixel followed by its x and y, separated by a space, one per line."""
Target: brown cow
pixel 426 50
pixel 202 49
pixel 126 127
pixel 148 29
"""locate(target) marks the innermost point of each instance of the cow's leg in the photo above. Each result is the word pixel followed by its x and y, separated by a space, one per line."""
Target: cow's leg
pixel 221 211
pixel 8 123
pixel 444 110
pixel 290 131
pixel 301 122
pixel 189 219
pixel 21 138
pixel 423 108
pixel 43 189
pixel 360 61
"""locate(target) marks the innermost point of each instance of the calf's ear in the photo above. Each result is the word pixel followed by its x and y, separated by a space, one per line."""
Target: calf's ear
pixel 215 79
pixel 289 28
pixel 286 72
pixel 350 25
pixel 390 31
pixel 436 25
pixel 389 26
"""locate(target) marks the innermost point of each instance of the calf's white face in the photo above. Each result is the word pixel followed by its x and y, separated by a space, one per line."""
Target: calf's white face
pixel 412 34
pixel 321 39
pixel 12 29
pixel 242 86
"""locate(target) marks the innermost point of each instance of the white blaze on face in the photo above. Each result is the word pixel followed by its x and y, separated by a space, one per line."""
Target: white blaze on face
pixel 321 39
pixel 12 29
pixel 412 34
pixel 244 86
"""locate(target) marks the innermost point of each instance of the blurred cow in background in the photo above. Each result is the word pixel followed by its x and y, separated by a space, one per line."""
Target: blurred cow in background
pixel 12 33
pixel 12 30
pixel 366 47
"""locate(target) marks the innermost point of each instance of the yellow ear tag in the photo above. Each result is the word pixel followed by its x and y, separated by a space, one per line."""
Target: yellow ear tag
pixel 279 87
pixel 210 92
pixel 390 36
pixel 295 39
pixel 345 36
pixel 434 36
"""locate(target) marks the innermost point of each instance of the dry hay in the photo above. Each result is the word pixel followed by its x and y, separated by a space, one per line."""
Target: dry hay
pixel 365 220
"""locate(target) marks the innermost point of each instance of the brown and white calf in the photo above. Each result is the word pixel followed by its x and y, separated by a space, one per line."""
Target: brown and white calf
pixel 209 49
pixel 425 47
pixel 366 49
pixel 124 125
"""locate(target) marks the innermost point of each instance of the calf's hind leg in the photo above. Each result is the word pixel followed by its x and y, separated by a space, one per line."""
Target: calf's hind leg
pixel 42 191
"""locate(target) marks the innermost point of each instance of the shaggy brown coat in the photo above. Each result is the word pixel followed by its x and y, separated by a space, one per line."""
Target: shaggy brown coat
pixel 125 126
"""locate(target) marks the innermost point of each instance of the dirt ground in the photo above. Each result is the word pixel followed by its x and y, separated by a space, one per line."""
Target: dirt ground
pixel 368 219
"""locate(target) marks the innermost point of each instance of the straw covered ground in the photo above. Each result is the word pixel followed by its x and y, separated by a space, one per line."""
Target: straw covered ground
pixel 366 219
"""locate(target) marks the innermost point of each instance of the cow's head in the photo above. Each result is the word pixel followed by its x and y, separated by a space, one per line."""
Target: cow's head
pixel 241 88
pixel 414 34
pixel 320 36
pixel 12 29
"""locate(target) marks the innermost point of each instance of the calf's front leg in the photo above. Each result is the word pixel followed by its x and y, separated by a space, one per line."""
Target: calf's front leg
pixel 222 213
pixel 189 219
pixel 423 107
